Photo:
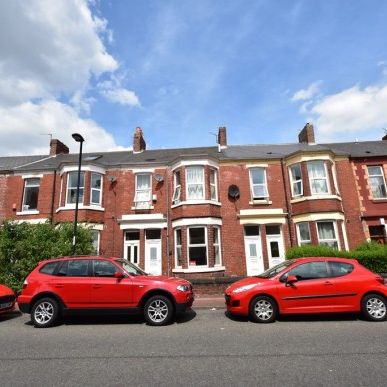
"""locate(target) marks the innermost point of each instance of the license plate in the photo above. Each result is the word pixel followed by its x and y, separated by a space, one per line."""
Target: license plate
pixel 6 305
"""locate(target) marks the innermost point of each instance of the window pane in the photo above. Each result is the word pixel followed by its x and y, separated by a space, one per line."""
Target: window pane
pixel 374 171
pixel 274 249
pixel 257 175
pixel 96 180
pixel 259 191
pixel 197 236
pixel 253 249
pixel 316 169
pixel 304 231
pixel 77 268
pixel 310 271
pixel 178 237
pixel 251 230
pixel 132 235
pixel 30 198
pixel 153 234
pixel 339 269
pixel 95 236
pixel 143 182
pixel 95 196
pixel 319 186
pixel 198 255
pixel 104 269
pixel 326 230
pixel 296 172
pixel 273 230
pixel 49 268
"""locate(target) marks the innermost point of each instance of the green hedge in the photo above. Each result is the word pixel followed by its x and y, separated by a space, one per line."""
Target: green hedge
pixel 372 255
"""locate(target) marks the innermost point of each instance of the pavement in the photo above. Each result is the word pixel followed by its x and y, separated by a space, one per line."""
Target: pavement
pixel 209 302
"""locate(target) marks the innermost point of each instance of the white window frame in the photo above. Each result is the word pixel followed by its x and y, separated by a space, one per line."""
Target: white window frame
pixel 187 184
pixel 138 191
pixel 98 239
pixel 177 187
pixel 24 209
pixel 80 187
pixel 293 182
pixel 376 176
pixel 216 230
pixel 337 239
pixel 318 178
pixel 302 242
pixel 214 185
pixel 178 246
pixel 197 245
pixel 96 189
pixel 265 198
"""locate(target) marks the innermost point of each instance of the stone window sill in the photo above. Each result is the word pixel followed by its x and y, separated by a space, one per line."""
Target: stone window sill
pixel 199 269
pixel 30 212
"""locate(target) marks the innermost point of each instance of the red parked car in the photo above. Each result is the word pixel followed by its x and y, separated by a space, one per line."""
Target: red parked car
pixel 94 284
pixel 7 299
pixel 309 285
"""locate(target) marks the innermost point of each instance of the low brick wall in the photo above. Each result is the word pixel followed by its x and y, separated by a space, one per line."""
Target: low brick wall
pixel 212 286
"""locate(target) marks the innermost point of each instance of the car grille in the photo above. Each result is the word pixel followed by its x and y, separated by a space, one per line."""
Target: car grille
pixel 5 299
pixel 227 297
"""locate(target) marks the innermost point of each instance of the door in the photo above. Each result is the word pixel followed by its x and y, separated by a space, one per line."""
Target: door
pixel 153 252
pixel 132 247
pixel 253 251
pixel 275 245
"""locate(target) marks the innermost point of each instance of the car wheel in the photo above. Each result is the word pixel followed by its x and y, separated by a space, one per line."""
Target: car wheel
pixel 45 313
pixel 263 309
pixel 374 307
pixel 158 310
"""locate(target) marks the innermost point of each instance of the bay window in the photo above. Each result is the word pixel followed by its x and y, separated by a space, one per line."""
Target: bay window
pixel 327 234
pixel 377 181
pixel 72 180
pixel 258 184
pixel 213 185
pixel 30 194
pixel 96 189
pixel 296 180
pixel 197 246
pixel 178 255
pixel 217 252
pixel 317 177
pixel 143 195
pixel 177 188
pixel 195 182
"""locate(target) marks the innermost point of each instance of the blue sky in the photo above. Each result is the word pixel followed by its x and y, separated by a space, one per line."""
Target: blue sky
pixel 181 69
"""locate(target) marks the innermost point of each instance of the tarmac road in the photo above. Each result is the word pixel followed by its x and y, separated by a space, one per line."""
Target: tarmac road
pixel 204 348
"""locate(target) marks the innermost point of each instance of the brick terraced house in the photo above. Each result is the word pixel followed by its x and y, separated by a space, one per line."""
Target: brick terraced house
pixel 208 214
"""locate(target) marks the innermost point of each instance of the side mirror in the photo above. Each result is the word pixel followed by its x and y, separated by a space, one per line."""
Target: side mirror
pixel 118 275
pixel 291 280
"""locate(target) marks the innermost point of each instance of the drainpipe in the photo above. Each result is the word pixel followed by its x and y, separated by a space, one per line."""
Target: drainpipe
pixel 287 203
pixel 168 217
pixel 53 198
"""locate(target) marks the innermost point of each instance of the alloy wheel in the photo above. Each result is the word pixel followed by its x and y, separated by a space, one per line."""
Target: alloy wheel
pixel 158 311
pixel 44 312
pixel 263 310
pixel 376 308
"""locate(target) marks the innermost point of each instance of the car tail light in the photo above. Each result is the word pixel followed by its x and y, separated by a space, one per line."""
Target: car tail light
pixel 25 283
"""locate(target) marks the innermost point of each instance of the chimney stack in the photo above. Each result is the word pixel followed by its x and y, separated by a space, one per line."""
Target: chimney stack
pixel 57 147
pixel 222 138
pixel 307 134
pixel 384 138
pixel 139 144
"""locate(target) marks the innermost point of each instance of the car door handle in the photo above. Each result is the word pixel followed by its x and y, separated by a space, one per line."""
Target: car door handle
pixel 59 286
pixel 97 286
pixel 328 283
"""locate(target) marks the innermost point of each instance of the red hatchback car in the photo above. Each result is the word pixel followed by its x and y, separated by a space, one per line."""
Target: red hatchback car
pixel 309 285
pixel 7 299
pixel 94 284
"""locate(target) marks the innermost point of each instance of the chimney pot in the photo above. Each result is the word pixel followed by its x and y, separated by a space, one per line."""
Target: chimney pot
pixel 307 134
pixel 57 147
pixel 139 144
pixel 222 137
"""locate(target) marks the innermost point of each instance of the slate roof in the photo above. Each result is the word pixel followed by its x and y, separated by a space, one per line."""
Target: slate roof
pixel 168 156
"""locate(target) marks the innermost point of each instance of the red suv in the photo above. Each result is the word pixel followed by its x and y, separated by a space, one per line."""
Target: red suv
pixel 94 284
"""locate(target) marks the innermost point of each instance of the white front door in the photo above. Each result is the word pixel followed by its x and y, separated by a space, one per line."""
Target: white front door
pixel 275 245
pixel 131 252
pixel 153 257
pixel 253 250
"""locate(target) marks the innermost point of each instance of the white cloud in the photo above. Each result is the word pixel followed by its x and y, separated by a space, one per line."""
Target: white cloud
pixel 308 93
pixel 113 91
pixel 22 126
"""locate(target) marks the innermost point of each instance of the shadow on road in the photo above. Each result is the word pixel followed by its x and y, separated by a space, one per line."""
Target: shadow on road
pixel 9 316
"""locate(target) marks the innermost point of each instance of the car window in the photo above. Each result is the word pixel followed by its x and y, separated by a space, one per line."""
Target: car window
pixel 75 268
pixel 307 271
pixel 338 269
pixel 48 268
pixel 130 267
pixel 104 268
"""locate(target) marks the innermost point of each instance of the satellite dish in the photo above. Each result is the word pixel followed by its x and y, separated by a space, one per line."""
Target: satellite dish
pixel 112 179
pixel 159 178
pixel 233 191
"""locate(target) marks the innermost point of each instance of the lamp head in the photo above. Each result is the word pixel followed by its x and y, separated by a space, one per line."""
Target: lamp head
pixel 77 137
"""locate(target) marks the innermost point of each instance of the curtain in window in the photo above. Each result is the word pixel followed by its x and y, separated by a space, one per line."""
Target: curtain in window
pixel 143 189
pixel 316 171
pixel 326 230
pixel 195 178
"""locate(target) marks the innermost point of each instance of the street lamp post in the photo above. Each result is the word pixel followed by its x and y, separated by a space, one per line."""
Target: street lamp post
pixel 78 138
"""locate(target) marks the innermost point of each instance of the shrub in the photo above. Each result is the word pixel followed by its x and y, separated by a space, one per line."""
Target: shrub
pixel 370 254
pixel 23 245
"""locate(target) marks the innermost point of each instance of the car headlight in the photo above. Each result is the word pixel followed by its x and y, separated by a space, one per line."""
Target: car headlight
pixel 183 288
pixel 243 288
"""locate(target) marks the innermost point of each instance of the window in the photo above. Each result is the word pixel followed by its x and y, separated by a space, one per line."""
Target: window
pixel 49 268
pixel 72 180
pixel 75 268
pixel 296 180
pixel 178 256
pixel 197 246
pixel 251 230
pixel 195 183
pixel 177 191
pixel 31 193
pixel 217 253
pixel 143 191
pixel 95 240
pixel 377 233
pixel 258 184
pixel 338 269
pixel 377 182
pixel 213 185
pixel 153 234
pixel 104 269
pixel 327 234
pixel 303 234
pixel 96 189
pixel 308 271
pixel 317 177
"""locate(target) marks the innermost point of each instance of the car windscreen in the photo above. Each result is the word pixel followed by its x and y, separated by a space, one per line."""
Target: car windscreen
pixel 130 267
pixel 275 269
